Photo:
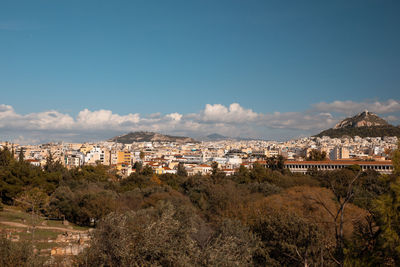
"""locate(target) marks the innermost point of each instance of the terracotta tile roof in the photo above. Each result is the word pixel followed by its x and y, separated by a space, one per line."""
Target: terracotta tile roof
pixel 341 162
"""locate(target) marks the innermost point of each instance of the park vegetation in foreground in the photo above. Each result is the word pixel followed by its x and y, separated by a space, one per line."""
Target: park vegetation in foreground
pixel 256 217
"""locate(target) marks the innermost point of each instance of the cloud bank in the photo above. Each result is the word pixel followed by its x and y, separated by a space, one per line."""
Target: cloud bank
pixel 233 120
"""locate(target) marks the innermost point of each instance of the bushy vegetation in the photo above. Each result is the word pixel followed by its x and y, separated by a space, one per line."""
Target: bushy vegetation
pixel 365 131
pixel 17 254
pixel 256 217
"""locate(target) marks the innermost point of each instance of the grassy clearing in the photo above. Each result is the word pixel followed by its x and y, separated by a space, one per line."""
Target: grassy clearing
pixel 15 214
pixel 41 236
pixel 55 223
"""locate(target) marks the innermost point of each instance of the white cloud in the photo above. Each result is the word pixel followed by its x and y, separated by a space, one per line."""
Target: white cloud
pixel 298 120
pixel 351 107
pixel 174 116
pixel 48 120
pixel 233 120
pixel 103 119
pixel 34 121
pixel 7 111
pixel 235 113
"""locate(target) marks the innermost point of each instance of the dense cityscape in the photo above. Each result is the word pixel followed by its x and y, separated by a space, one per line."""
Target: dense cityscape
pixel 164 157
pixel 204 133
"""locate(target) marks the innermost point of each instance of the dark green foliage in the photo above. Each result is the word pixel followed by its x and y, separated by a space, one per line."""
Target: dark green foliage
pixel 264 188
pixel 278 177
pixel 5 157
pixel 289 240
pixel 232 244
pixel 364 248
pixel 276 163
pixel 85 205
pixel 138 166
pixel 369 187
pixel 342 183
pixel 378 241
pixel 52 165
pixel 366 131
pixel 147 171
pixel 339 180
pixel 242 176
pixel 217 175
pixel 174 220
pixel 181 171
pixel 98 173
pixel 16 176
pixel 317 155
pixel 258 173
pixel 135 180
pixel 172 180
pixel 354 168
pixel 168 236
pixel 388 219
pixel 21 155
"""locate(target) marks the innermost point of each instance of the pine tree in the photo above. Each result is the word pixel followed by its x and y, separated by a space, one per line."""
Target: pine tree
pixel 5 157
pixel 21 155
pixel 388 216
pixel 181 171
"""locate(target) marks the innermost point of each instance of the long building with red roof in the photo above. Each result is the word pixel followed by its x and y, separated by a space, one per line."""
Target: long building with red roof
pixel 384 167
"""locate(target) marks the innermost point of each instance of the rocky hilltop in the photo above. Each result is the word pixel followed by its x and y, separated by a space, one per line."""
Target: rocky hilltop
pixel 364 124
pixel 362 119
pixel 150 137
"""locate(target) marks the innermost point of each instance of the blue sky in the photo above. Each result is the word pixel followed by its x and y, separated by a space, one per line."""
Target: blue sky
pixel 167 57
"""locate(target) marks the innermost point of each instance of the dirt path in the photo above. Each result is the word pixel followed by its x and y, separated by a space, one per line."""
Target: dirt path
pixel 15 224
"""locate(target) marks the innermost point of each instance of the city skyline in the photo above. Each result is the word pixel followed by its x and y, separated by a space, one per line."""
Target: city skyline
pixel 83 71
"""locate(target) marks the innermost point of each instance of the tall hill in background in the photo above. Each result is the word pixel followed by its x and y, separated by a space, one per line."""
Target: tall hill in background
pixel 364 124
pixel 150 137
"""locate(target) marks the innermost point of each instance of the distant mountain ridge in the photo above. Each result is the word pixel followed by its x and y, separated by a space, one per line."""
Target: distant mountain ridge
pixel 215 137
pixel 364 124
pixel 150 137
pixel 219 137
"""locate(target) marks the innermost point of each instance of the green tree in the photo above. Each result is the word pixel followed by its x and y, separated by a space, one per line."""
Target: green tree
pixel 149 237
pixel 5 157
pixel 217 175
pixel 168 235
pixel 317 155
pixel 21 155
pixel 35 201
pixel 342 184
pixel 181 171
pixel 258 173
pixel 147 171
pixel 53 165
pixel 290 240
pixel 242 176
pixel 138 166
pixel 276 163
pixel 388 215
